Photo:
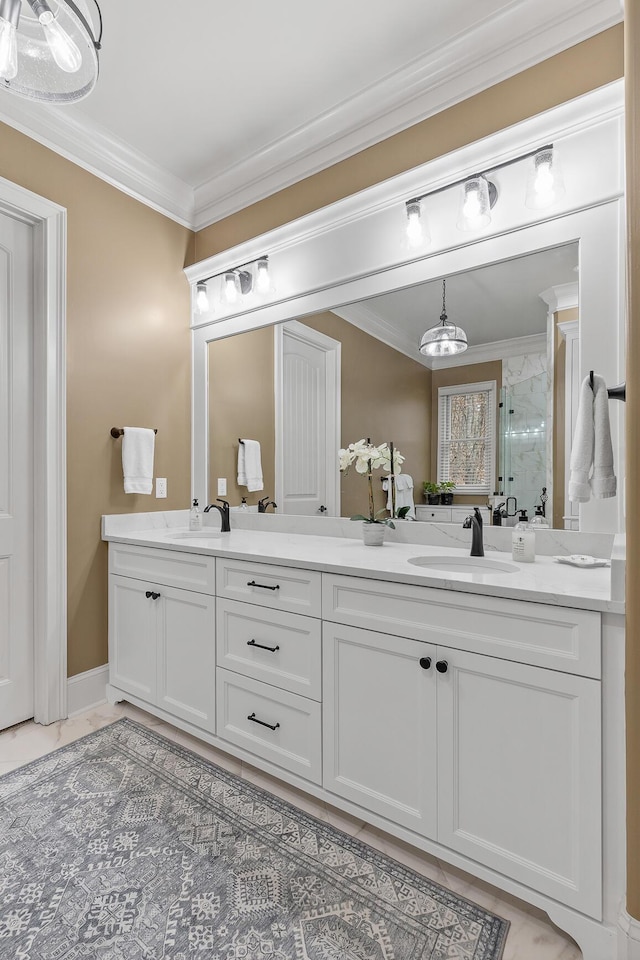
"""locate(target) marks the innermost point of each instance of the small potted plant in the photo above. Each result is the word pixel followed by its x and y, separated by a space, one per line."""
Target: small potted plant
pixel 431 493
pixel 366 458
pixel 446 492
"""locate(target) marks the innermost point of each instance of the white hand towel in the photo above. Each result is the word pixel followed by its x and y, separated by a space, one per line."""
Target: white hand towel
pixel 138 446
pixel 591 466
pixel 250 465
pixel 404 493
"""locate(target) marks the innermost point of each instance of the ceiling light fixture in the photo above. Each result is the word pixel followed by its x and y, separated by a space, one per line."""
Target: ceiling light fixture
pixel 234 283
pixel 445 339
pixel 545 184
pixel 48 50
pixel 479 195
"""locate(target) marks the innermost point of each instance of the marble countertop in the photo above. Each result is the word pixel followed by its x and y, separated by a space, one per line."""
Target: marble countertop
pixel 544 581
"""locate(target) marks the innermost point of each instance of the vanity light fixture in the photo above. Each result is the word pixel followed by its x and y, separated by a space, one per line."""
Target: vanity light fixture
pixel 445 339
pixel 235 283
pixel 48 50
pixel 545 184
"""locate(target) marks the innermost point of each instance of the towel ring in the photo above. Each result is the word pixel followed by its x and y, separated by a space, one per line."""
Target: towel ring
pixel 614 393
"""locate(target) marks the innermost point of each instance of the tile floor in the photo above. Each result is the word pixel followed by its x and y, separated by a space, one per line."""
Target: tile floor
pixel 531 937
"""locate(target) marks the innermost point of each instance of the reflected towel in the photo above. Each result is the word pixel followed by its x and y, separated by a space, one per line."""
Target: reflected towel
pixel 250 465
pixel 404 493
pixel 138 445
pixel 591 463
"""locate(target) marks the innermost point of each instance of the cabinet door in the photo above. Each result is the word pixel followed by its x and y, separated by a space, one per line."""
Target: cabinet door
pixel 379 724
pixel 187 656
pixel 519 773
pixel 132 637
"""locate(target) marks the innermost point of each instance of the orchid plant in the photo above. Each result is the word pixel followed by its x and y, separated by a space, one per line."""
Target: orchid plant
pixel 365 458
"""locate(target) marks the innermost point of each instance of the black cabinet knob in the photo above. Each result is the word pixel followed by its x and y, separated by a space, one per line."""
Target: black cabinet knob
pixel 147 594
pixel 442 666
pixel 425 662
pixel 155 596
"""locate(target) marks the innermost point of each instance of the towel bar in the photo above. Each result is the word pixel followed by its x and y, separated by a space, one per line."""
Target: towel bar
pixel 119 432
pixel 614 393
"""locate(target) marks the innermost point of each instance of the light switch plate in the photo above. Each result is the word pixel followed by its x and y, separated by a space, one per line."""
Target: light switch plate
pixel 161 488
pixel 222 486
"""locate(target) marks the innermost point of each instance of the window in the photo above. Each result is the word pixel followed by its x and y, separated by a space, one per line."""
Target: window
pixel 467 436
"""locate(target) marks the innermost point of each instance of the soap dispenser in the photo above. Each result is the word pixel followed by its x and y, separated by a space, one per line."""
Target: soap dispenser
pixel 243 505
pixel 523 540
pixel 539 521
pixel 195 517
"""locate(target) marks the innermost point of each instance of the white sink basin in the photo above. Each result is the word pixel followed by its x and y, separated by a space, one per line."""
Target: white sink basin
pixel 193 534
pixel 465 564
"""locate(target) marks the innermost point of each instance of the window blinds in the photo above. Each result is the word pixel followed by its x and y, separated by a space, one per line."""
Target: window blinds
pixel 467 436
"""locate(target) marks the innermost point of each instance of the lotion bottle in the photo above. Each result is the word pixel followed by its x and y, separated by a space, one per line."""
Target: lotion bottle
pixel 195 517
pixel 523 541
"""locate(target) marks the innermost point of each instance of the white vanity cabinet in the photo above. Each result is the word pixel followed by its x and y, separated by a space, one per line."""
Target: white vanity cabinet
pixel 476 748
pixel 162 637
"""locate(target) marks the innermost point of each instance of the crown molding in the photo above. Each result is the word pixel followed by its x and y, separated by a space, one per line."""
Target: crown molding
pixel 367 320
pixel 91 147
pixel 563 296
pixel 521 36
pixel 496 350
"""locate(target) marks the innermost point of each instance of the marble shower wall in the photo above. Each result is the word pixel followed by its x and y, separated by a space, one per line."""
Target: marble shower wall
pixel 523 432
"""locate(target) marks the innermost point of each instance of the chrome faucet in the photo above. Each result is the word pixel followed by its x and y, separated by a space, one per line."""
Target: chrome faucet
pixel 265 503
pixel 224 514
pixel 475 524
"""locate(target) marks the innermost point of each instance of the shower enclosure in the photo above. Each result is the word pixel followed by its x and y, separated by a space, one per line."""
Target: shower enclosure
pixel 522 453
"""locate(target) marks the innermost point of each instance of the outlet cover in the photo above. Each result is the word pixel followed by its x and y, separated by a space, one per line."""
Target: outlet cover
pixel 161 488
pixel 222 486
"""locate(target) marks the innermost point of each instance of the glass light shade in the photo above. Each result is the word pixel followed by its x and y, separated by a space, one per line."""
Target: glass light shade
pixel 545 184
pixel 202 298
pixel 475 210
pixel 230 287
pixel 263 279
pixel 8 50
pixel 57 54
pixel 417 227
pixel 443 340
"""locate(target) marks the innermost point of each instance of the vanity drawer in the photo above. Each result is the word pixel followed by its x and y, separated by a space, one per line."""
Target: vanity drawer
pixel 268 585
pixel 294 744
pixel 434 514
pixel 283 649
pixel 560 638
pixel 192 571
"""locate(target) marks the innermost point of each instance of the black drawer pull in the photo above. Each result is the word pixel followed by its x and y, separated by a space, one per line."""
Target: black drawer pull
pixel 254 719
pixel 425 662
pixel 263 586
pixel 261 646
pixel 442 666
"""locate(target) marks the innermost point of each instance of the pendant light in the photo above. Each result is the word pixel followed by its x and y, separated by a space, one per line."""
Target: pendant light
pixel 48 49
pixel 445 339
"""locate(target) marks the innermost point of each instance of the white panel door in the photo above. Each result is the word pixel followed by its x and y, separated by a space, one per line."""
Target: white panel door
pixel 379 724
pixel 187 655
pixel 16 473
pixel 307 421
pixel 133 619
pixel 519 773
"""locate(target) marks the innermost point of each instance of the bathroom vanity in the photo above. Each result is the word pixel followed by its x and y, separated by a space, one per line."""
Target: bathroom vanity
pixel 479 716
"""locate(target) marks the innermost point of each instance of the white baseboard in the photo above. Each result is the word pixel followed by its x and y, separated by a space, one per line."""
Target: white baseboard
pixel 629 937
pixel 87 690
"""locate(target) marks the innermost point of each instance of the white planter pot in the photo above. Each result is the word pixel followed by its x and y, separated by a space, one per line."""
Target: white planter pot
pixel 373 534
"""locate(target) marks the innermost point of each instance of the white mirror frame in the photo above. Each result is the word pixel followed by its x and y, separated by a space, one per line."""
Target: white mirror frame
pixel 356 249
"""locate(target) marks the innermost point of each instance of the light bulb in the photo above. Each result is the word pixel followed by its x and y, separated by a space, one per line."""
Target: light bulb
pixel 63 50
pixel 472 207
pixel 545 184
pixel 8 50
pixel 263 280
pixel 415 231
pixel 475 211
pixel 230 287
pixel 202 298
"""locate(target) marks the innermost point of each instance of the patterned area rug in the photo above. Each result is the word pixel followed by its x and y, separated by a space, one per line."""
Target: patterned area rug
pixel 124 846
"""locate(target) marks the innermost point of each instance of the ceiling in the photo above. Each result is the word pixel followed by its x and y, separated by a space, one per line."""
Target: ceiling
pixel 202 108
pixel 494 303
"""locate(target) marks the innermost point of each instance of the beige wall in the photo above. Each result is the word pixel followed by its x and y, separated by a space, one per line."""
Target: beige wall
pixel 569 74
pixel 385 395
pixel 470 373
pixel 128 363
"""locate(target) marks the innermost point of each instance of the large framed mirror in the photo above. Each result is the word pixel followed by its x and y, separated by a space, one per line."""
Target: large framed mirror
pixel 540 301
